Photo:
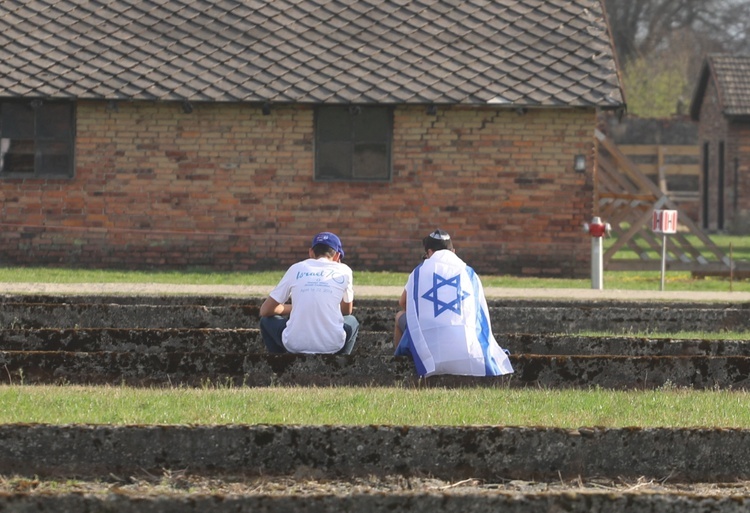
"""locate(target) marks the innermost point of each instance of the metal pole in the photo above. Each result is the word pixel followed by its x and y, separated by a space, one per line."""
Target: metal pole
pixel 597 264
pixel 731 267
pixel 663 258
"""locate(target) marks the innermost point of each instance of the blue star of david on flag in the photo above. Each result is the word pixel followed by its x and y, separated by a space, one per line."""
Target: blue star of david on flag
pixel 433 294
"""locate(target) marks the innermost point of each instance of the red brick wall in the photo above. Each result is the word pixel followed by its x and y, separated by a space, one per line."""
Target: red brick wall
pixel 738 168
pixel 228 188
pixel 713 129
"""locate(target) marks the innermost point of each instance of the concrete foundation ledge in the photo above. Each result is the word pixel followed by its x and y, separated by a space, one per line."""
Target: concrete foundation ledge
pixel 151 340
pixel 197 369
pixel 555 344
pixel 217 299
pixel 376 503
pixel 101 315
pixel 484 452
pixel 512 318
pixel 370 343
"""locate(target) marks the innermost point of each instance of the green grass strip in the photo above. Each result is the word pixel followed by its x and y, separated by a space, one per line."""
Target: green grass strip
pixel 619 280
pixel 678 335
pixel 211 405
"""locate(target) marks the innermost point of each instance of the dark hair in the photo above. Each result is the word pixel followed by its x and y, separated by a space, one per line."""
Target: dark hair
pixel 323 250
pixel 436 244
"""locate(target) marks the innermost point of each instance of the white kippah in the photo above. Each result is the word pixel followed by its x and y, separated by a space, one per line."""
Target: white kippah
pixel 440 235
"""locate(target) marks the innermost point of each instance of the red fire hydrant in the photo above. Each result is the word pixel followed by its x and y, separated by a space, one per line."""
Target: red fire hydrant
pixel 597 229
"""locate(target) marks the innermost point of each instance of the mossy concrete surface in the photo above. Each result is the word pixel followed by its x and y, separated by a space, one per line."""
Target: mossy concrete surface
pixel 167 340
pixel 377 315
pixel 369 343
pixel 486 452
pixel 568 502
pixel 196 369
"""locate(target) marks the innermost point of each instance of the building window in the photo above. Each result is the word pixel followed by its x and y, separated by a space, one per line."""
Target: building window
pixel 353 143
pixel 36 139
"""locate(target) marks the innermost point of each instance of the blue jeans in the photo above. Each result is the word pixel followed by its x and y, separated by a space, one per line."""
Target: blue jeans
pixel 272 327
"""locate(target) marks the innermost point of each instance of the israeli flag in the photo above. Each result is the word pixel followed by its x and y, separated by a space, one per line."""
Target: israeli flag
pixel 447 321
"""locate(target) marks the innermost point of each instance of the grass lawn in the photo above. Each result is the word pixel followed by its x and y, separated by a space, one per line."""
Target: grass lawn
pixel 665 407
pixel 616 280
pixel 620 280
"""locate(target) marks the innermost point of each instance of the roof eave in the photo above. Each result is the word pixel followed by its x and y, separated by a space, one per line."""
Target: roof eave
pixel 700 90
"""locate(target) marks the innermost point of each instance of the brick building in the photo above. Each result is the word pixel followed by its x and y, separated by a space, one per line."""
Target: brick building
pixel 721 105
pixel 224 134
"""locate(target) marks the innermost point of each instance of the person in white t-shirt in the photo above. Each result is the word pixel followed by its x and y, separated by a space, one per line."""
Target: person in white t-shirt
pixel 319 320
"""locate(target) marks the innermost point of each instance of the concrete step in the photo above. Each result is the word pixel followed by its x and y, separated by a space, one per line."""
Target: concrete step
pixel 378 316
pixel 579 318
pixel 198 369
pixel 219 300
pixel 479 452
pixel 90 315
pixel 131 299
pixel 552 344
pixel 450 501
pixel 446 501
pixel 248 340
pixel 148 340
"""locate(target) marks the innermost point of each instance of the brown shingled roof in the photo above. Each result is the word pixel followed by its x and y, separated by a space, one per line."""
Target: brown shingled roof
pixel 518 52
pixel 732 77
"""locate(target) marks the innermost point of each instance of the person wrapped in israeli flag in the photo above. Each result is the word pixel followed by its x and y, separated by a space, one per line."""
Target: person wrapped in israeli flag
pixel 445 324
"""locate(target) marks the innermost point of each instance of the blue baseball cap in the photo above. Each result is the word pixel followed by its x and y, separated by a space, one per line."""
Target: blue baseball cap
pixel 329 239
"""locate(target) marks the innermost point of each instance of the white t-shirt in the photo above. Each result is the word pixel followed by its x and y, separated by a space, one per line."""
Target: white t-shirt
pixel 317 288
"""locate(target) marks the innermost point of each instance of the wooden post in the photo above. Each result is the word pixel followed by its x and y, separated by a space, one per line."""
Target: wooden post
pixel 661 169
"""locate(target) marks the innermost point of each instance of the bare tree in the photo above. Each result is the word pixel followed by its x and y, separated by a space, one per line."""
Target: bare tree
pixel 732 26
pixel 641 27
pixel 661 44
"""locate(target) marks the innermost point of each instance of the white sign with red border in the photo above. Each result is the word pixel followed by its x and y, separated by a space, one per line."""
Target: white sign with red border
pixel 664 221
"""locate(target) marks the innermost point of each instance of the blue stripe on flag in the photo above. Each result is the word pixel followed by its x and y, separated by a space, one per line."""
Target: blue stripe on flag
pixel 418 363
pixel 421 370
pixel 415 292
pixel 483 327
pixel 407 343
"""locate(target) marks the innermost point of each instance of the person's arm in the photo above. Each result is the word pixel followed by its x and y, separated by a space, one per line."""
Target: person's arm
pixel 397 333
pixel 271 307
pixel 347 300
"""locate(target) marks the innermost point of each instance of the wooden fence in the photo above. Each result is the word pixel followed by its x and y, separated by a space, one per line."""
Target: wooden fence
pixel 675 169
pixel 627 199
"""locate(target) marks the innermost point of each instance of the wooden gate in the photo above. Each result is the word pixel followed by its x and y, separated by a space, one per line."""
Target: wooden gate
pixel 626 200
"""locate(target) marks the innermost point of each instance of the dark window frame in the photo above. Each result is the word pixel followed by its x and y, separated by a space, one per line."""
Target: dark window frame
pixel 353 143
pixel 720 184
pixel 705 174
pixel 37 139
